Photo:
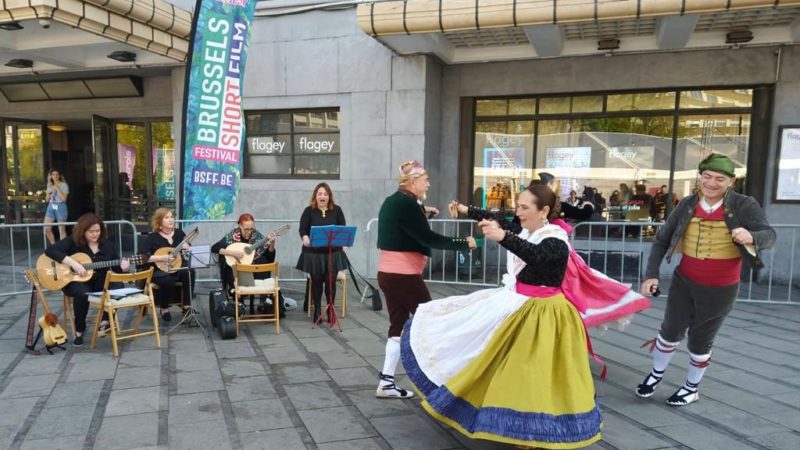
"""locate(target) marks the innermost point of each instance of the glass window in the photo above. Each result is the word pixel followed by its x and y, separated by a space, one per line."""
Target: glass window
pixel 727 98
pixel 641 101
pixel 522 106
pixel 163 162
pixel 491 108
pixel 296 143
pixel 503 161
pixel 554 105
pixel 587 103
pixel 565 105
pixel 699 135
pixel 132 173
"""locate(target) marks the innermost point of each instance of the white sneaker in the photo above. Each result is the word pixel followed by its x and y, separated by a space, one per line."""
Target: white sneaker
pixel 387 389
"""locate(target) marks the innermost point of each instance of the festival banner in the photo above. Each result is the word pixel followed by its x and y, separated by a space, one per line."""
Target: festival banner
pixel 213 131
pixel 126 155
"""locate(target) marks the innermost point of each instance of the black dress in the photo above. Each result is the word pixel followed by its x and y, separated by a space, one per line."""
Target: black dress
pixel 166 281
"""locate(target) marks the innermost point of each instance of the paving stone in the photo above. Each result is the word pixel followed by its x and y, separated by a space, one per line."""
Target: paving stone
pixel 412 432
pixel 186 346
pixel 133 401
pixel 237 349
pixel 312 396
pixel 272 340
pixel 341 360
pixel 321 344
pixel 140 358
pixel 6 359
pixel 10 345
pixel 260 415
pixel 39 365
pixel 250 388
pixel 354 377
pixel 735 419
pixel 355 444
pixel 624 435
pixel 368 348
pixel 199 381
pixel 7 435
pixel 82 393
pixel 303 374
pixel 129 431
pixel 648 412
pixel 363 334
pixel 92 370
pixel 346 426
pixel 285 439
pixel 371 406
pixel 282 355
pixel 62 421
pixel 753 382
pixel 147 343
pixel 243 367
pixel 699 437
pixel 193 362
pixel 54 443
pixel 29 386
pixel 779 441
pixel 191 408
pixel 789 419
pixel 204 435
pixel 15 410
pixel 135 377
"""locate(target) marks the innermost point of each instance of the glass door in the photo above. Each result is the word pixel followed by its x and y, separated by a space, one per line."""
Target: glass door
pixel 23 172
pixel 105 190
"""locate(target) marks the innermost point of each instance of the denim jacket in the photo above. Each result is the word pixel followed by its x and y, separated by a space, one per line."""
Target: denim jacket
pixel 739 210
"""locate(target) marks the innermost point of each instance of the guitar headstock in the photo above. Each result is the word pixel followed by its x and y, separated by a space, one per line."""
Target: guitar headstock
pixel 280 231
pixel 137 260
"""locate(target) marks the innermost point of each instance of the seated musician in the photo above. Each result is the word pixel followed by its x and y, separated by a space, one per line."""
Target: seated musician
pixel 165 235
pixel 245 233
pixel 89 236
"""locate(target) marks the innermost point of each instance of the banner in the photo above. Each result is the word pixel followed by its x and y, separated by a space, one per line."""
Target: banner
pixel 126 155
pixel 213 131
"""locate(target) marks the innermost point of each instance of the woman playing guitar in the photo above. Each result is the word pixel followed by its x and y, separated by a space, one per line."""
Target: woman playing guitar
pixel 89 236
pixel 245 233
pixel 164 235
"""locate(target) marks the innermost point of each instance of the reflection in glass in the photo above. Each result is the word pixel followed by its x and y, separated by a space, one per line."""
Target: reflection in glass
pixel 699 136
pixel 270 164
pixel 268 123
pixel 315 121
pixel 643 101
pixel 521 106
pixel 163 162
pixel 316 164
pixel 720 98
pixel 503 158
pixel 554 105
pixel 491 108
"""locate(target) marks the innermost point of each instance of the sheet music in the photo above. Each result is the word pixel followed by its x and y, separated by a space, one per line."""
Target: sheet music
pixel 200 256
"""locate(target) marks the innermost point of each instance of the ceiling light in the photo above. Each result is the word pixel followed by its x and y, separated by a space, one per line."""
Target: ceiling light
pixel 57 127
pixel 608 44
pixel 122 56
pixel 20 63
pixel 10 26
pixel 739 36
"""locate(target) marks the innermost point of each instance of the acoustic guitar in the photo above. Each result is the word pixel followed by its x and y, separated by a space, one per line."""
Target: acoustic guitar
pixel 174 253
pixel 54 275
pixel 49 328
pixel 249 249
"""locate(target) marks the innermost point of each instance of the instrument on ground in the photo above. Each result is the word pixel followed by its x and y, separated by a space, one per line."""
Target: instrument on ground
pixel 49 328
pixel 54 275
pixel 249 249
pixel 174 252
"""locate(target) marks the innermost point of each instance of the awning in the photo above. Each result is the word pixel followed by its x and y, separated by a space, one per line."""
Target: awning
pixel 430 16
pixel 153 25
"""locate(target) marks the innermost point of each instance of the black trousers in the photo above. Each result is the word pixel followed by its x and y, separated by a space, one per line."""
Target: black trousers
pixel 79 291
pixel 166 286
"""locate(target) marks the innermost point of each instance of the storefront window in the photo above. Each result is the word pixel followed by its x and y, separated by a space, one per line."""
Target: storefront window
pixel 132 173
pixel 163 162
pixel 297 143
pixel 616 152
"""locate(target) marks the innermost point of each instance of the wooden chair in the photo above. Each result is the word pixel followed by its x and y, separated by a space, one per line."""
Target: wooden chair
pixel 341 279
pixel 142 302
pixel 268 286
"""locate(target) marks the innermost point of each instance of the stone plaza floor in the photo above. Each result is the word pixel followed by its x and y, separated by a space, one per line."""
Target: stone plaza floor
pixel 314 388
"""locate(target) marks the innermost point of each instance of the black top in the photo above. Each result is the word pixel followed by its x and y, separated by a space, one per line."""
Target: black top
pixel 312 217
pixel 66 247
pixel 155 241
pixel 546 261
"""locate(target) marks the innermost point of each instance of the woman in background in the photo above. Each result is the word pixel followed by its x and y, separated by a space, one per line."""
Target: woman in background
pixel 56 198
pixel 316 261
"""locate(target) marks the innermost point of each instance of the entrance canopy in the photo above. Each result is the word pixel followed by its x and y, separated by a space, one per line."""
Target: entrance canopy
pixel 75 35
pixel 466 31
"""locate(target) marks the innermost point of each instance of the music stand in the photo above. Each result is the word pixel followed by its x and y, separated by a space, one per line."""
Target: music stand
pixel 331 236
pixel 200 258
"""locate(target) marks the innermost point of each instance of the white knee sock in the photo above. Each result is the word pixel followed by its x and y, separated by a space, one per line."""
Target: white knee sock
pixel 662 354
pixel 697 368
pixel 392 357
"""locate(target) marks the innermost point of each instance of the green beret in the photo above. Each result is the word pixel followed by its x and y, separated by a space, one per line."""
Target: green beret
pixel 718 163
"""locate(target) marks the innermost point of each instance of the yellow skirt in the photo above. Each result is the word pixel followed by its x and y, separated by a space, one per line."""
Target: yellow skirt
pixel 531 385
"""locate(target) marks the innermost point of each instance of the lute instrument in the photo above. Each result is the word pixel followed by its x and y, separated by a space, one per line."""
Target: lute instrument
pixel 174 253
pixel 249 249
pixel 54 275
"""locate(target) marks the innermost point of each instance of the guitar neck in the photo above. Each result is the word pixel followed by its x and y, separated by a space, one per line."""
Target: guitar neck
pixel 102 264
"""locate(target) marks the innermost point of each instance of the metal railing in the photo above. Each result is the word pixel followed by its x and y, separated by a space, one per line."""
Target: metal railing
pixel 22 244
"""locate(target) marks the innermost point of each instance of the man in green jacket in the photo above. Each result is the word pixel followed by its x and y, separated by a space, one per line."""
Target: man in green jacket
pixel 405 240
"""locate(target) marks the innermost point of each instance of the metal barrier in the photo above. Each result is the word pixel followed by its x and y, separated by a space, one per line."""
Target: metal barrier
pixel 287 247
pixel 618 249
pixel 22 244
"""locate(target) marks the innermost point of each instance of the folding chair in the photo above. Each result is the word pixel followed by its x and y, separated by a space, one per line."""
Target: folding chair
pixel 143 302
pixel 268 286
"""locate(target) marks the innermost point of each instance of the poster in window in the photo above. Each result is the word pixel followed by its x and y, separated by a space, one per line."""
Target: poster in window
pixel 787 183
